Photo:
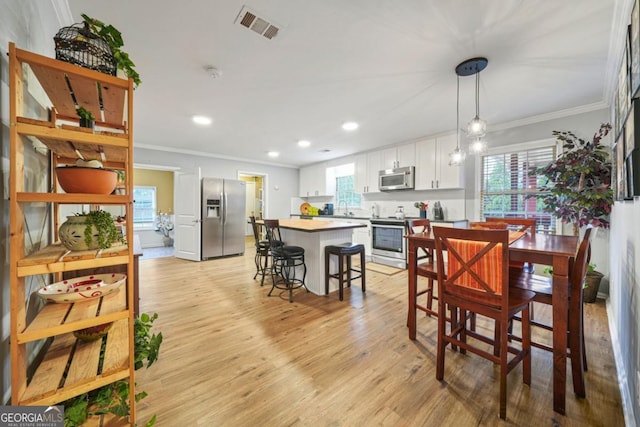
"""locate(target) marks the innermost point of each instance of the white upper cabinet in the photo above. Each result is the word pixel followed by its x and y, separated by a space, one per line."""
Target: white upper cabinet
pixel 313 181
pixel 399 156
pixel 361 174
pixel 432 169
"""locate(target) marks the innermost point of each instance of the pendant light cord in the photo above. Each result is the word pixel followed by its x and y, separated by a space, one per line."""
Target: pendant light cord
pixel 458 114
pixel 477 94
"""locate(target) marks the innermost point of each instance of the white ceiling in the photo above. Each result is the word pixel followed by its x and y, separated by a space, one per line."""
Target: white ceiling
pixel 387 65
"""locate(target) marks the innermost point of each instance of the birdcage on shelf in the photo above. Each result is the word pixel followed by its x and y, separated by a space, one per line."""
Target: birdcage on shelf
pixel 78 45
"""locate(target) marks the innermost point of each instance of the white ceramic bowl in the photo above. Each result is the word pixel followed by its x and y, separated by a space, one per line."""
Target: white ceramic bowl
pixel 82 288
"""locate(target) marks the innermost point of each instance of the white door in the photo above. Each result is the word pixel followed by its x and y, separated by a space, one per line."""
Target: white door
pixel 250 206
pixel 187 208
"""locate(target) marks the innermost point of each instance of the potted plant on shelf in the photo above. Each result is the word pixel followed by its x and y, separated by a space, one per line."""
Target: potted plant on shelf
pixel 93 230
pixel 86 118
pixel 95 45
pixel 578 189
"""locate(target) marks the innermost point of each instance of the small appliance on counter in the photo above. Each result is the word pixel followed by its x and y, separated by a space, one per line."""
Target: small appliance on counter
pixel 328 208
pixel 375 211
pixel 399 212
pixel 438 212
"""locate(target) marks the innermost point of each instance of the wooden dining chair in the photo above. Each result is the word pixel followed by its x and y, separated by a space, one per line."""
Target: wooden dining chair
pixel 542 286
pixel 426 266
pixel 477 280
pixel 525 225
pixel 484 225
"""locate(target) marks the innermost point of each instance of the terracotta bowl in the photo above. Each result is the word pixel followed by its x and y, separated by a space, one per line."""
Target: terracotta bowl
pixel 93 333
pixel 78 179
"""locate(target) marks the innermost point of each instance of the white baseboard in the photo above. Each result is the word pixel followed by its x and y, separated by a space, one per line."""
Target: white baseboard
pixel 623 380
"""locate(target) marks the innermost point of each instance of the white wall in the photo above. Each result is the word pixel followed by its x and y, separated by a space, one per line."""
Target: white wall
pixel 624 302
pixel 31 25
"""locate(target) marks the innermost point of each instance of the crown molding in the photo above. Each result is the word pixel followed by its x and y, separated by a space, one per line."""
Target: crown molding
pixel 600 105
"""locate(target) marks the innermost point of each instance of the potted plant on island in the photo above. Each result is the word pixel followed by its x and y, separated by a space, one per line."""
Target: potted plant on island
pixel 577 187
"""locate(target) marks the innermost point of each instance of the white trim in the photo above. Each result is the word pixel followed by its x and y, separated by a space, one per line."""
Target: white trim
pixel 155 167
pixel 215 156
pixel 600 105
pixel 522 146
pixel 623 382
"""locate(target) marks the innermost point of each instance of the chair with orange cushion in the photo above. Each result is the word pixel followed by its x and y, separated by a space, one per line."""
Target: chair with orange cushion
pixel 477 281
pixel 542 287
pixel 483 225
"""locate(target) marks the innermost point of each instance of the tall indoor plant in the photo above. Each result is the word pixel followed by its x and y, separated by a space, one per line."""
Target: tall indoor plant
pixel 577 187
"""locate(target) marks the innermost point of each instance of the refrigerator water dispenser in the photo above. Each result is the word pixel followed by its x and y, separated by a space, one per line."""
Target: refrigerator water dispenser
pixel 213 208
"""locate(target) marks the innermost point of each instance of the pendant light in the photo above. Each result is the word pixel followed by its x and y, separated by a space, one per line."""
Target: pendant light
pixel 456 158
pixel 477 128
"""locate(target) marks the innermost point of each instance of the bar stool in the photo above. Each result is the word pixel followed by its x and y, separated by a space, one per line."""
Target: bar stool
pixel 262 252
pixel 285 260
pixel 342 251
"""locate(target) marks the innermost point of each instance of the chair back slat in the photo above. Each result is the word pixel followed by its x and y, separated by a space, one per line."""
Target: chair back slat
pixel 484 225
pixel 516 224
pixel 414 226
pixel 256 232
pixel 477 263
pixel 579 270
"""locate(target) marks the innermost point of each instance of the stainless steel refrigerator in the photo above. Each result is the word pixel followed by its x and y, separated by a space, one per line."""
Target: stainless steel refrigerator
pixel 223 217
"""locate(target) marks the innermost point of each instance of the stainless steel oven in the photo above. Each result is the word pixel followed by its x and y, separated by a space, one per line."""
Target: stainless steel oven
pixel 388 245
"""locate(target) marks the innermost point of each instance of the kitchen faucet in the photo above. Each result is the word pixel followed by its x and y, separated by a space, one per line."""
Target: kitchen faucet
pixel 346 207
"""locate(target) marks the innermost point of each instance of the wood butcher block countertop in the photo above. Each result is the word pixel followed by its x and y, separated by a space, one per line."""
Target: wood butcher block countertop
pixel 312 226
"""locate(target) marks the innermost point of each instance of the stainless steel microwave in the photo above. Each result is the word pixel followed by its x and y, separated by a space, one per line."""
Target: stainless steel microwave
pixel 397 179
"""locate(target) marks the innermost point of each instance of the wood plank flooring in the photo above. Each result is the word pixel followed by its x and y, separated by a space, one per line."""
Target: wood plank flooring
pixel 234 357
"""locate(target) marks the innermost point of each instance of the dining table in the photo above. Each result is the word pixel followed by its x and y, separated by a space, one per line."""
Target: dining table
pixel 557 251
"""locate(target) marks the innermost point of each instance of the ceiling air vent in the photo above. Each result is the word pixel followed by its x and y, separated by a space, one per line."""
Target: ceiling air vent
pixel 261 25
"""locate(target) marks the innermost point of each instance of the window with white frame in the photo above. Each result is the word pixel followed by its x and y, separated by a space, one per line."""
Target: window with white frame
pixel 345 194
pixel 506 183
pixel 144 205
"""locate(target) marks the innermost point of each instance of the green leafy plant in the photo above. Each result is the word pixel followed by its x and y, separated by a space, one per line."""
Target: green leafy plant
pixel 84 114
pixel 104 224
pixel 113 37
pixel 578 187
pixel 114 398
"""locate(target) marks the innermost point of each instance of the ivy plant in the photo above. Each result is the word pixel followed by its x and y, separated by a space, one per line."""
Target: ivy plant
pixel 103 223
pixel 577 189
pixel 113 37
pixel 114 398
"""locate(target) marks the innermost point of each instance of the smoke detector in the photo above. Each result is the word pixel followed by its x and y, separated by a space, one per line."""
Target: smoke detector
pixel 213 72
pixel 259 24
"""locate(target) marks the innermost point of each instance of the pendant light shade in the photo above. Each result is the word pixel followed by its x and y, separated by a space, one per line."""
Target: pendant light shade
pixel 477 127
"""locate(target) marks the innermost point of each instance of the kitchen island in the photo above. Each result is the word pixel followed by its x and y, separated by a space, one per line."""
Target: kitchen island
pixel 313 236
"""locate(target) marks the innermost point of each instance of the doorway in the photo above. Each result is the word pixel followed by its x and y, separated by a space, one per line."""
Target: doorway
pixel 255 196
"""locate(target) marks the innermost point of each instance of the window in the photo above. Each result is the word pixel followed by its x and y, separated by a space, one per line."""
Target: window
pixel 505 184
pixel 345 186
pixel 144 205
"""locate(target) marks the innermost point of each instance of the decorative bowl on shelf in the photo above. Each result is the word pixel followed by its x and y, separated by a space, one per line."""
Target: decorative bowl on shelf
pixel 79 179
pixel 82 288
pixel 93 333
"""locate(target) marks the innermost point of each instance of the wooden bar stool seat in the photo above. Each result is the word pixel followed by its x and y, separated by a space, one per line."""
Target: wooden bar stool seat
pixel 344 252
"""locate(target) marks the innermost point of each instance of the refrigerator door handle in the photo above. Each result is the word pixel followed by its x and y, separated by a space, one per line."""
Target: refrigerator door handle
pixel 224 209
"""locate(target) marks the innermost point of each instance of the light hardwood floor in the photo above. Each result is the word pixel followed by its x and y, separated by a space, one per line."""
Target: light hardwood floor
pixel 234 357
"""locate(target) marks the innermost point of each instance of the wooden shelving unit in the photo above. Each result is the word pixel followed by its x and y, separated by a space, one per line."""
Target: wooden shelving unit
pixel 70 367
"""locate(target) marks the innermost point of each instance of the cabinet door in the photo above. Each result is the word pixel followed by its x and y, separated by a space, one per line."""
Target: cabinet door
pixel 389 158
pixel 375 163
pixel 447 176
pixel 426 164
pixel 362 236
pixel 406 155
pixel 361 178
pixel 305 183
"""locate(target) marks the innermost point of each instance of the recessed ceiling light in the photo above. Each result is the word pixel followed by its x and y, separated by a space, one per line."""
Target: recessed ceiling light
pixel 350 126
pixel 273 154
pixel 303 143
pixel 202 120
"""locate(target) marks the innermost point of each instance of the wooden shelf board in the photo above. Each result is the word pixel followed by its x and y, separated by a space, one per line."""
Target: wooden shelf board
pixel 85 87
pixel 74 198
pixel 56 319
pixel 82 374
pixel 48 134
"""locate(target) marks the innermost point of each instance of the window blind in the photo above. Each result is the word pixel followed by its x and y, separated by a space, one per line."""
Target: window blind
pixel 505 185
